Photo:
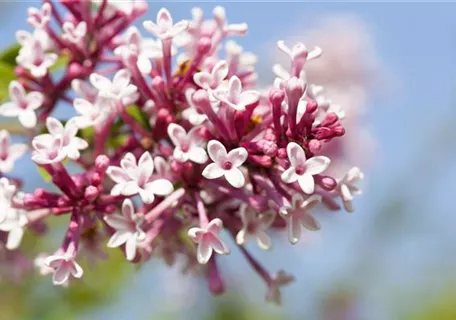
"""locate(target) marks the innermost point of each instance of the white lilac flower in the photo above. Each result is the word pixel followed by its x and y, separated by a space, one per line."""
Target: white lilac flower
pixel 211 81
pixel 9 153
pixel 48 149
pixel 254 225
pixel 22 104
pixel 127 229
pixel 144 49
pixel 235 97
pixel 92 114
pixel 229 29
pixel 119 89
pixel 164 28
pixel 34 58
pixel 225 164
pixel 26 39
pixel 208 240
pixel 298 215
pixel 39 18
pixel 191 113
pixel 71 144
pixel 278 280
pixel 14 224
pixel 7 191
pixel 188 146
pixel 63 266
pixel 299 51
pixel 302 169
pixel 84 89
pixel 347 187
pixel 74 33
pixel 133 178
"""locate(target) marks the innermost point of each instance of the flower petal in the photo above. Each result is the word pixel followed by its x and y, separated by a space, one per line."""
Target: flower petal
pixel 204 251
pixel 27 119
pixel 290 175
pixel 263 240
pixel 62 274
pixel 294 230
pixel 198 155
pixel 213 171
pixel 307 183
pixel 117 174
pixel 130 248
pixel 296 154
pixel 316 165
pixel 238 156
pixel 235 177
pixel 309 222
pixel 160 187
pixel 118 239
pixel 216 150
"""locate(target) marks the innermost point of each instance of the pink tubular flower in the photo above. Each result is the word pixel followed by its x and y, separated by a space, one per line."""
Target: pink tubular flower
pixel 255 225
pixel 225 164
pixel 9 153
pixel 303 170
pixel 48 149
pixel 235 98
pixel 71 144
pixel 164 28
pixel 133 178
pixel 211 81
pixel 39 18
pixel 298 215
pixel 127 229
pixel 22 104
pixel 187 146
pixel 191 113
pixel 119 88
pixel 92 114
pixel 64 265
pixel 208 240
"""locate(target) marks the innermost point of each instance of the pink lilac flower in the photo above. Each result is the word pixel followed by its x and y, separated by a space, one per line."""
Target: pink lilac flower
pixel 208 240
pixel 235 98
pixel 133 178
pixel 22 104
pixel 301 169
pixel 26 39
pixel 254 225
pixel 71 144
pixel 228 29
pixel 188 146
pixel 127 229
pixel 225 163
pixel 84 89
pixel 191 113
pixel 64 265
pixel 298 216
pixel 211 81
pixel 347 187
pixel 9 153
pixel 164 28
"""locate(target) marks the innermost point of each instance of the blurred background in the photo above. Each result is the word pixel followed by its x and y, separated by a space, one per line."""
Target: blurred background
pixel 392 66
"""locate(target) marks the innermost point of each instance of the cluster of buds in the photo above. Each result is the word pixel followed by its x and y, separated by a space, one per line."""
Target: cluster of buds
pixel 176 149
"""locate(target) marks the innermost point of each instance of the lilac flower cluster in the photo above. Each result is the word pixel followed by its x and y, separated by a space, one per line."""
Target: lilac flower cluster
pixel 176 148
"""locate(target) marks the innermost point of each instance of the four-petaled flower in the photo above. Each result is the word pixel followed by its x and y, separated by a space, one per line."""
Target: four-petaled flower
pixel 302 169
pixel 127 229
pixel 7 191
pixel 278 280
pixel 119 89
pixel 74 34
pixel 299 51
pixel 22 104
pixel 9 153
pixel 234 97
pixel 92 114
pixel 208 240
pixel 188 146
pixel 225 164
pixel 34 57
pixel 39 18
pixel 71 144
pixel 255 225
pixel 48 149
pixel 14 223
pixel 298 216
pixel 164 28
pixel 212 81
pixel 133 178
pixel 64 265
pixel 347 187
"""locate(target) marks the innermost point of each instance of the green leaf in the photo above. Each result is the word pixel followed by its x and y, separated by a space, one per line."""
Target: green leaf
pixel 6 76
pixel 9 55
pixel 136 113
pixel 61 63
pixel 117 141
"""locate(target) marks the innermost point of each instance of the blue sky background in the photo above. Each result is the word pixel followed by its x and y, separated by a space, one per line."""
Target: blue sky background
pixel 386 258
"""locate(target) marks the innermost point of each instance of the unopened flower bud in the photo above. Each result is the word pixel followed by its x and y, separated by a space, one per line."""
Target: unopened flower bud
pixel 315 146
pixel 204 45
pixel 91 193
